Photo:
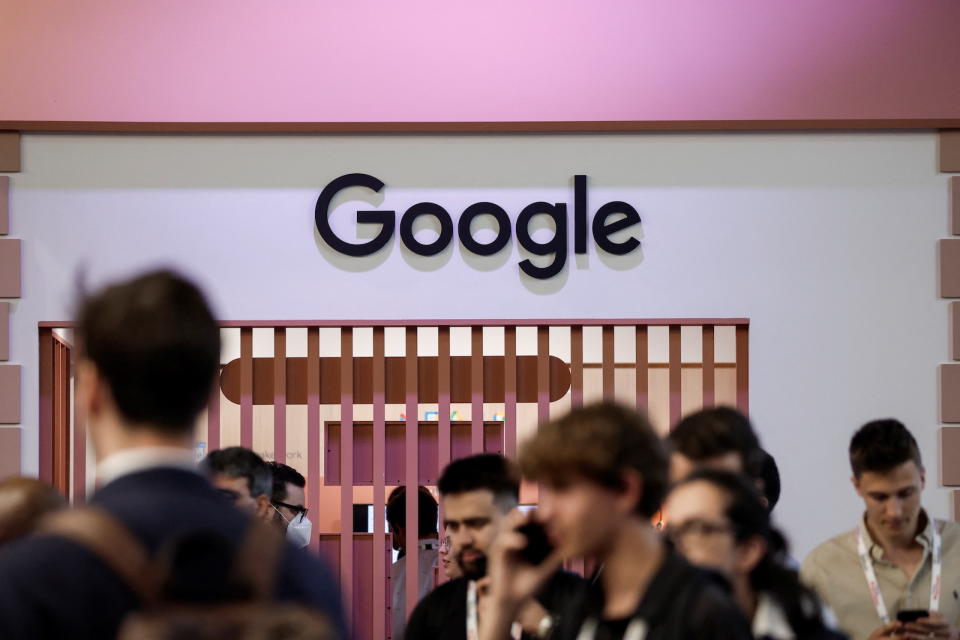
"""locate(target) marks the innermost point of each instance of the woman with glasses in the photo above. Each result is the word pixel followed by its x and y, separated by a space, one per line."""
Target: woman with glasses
pixel 717 521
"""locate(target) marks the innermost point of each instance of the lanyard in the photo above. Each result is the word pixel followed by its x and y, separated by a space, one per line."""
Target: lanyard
pixel 473 628
pixel 871 576
pixel 636 630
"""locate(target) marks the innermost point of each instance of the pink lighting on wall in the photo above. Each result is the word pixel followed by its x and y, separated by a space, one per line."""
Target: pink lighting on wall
pixel 496 61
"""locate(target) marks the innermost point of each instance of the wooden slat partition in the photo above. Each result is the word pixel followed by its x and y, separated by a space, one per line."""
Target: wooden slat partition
pixel 61 430
pixel 47 385
pixel 246 387
pixel 709 378
pixel 675 391
pixel 314 433
pixel 379 464
pixel 476 388
pixel 510 390
pixel 280 395
pixel 607 365
pixel 576 366
pixel 642 368
pixel 213 417
pixel 346 463
pixel 543 374
pixel 79 450
pixel 411 466
pixel 743 368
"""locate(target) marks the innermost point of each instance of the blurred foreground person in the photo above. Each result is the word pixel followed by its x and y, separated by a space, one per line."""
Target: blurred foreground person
pixel 477 493
pixel 897 573
pixel 603 473
pixel 157 542
pixel 242 477
pixel 718 522
pixel 23 502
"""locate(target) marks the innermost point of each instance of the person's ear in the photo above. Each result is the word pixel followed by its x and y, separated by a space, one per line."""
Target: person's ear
pixel 88 383
pixel 264 509
pixel 631 492
pixel 749 554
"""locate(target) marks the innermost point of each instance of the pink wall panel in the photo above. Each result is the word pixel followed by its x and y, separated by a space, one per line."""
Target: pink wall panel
pixel 501 60
pixel 949 268
pixel 9 394
pixel 950 393
pixel 9 452
pixel 950 456
pixel 9 268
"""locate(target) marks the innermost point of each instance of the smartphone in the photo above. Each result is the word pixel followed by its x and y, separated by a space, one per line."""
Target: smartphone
pixel 912 615
pixel 538 545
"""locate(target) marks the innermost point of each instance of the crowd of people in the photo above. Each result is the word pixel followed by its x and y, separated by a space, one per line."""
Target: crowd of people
pixel 676 535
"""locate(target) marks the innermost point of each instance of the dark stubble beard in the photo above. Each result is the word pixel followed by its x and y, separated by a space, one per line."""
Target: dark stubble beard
pixel 475 569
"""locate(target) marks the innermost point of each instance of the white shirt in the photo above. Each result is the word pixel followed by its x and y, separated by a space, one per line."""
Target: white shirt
pixel 427 563
pixel 770 621
pixel 130 461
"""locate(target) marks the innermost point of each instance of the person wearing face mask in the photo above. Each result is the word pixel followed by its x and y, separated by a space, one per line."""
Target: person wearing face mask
pixel 717 521
pixel 897 562
pixel 287 500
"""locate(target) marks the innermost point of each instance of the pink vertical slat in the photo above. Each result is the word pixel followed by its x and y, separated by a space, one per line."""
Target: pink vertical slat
pixel 576 366
pixel 314 435
pixel 476 390
pixel 607 365
pixel 412 467
pixel 743 369
pixel 443 397
pixel 675 391
pixel 543 374
pixel 510 391
pixel 280 394
pixel 79 450
pixel 213 415
pixel 46 414
pixel 379 465
pixel 642 369
pixel 246 387
pixel 346 465
pixel 709 384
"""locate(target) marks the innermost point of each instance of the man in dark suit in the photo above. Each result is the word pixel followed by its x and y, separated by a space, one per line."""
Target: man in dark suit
pixel 149 353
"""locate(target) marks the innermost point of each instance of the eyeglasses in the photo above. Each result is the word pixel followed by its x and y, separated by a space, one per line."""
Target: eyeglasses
pixel 299 511
pixel 697 529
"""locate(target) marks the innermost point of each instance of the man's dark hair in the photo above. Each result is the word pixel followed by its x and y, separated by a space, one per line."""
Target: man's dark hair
pixel 426 510
pixel 881 445
pixel 599 443
pixel 484 471
pixel 239 462
pixel 282 474
pixel 716 432
pixel 155 342
pixel 770 476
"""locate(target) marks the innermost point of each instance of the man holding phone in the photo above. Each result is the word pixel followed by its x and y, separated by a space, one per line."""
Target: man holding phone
pixel 476 494
pixel 897 574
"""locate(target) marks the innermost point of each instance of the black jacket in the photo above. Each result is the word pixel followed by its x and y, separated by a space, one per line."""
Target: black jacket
pixel 442 614
pixel 51 587
pixel 680 603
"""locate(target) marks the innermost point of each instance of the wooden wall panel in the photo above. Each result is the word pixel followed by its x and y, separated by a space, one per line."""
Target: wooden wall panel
pixel 4 205
pixel 950 151
pixel 9 268
pixel 4 330
pixel 950 456
pixel 954 205
pixel 955 330
pixel 950 393
pixel 9 394
pixel 950 268
pixel 9 451
pixel 9 151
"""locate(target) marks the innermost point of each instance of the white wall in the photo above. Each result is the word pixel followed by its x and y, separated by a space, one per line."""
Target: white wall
pixel 827 242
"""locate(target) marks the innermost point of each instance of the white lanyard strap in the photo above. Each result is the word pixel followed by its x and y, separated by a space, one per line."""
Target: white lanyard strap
pixel 636 630
pixel 473 627
pixel 874 586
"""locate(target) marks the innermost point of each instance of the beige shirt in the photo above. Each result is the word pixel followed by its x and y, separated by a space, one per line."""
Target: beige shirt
pixel 834 571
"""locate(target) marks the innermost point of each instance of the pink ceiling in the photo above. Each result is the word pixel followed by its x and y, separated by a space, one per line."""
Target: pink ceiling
pixel 496 60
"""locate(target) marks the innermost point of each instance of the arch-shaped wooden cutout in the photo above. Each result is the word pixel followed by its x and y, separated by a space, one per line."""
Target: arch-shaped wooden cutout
pixel 427 380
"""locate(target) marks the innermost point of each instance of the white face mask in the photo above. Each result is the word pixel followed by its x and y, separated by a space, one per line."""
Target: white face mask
pixel 298 532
